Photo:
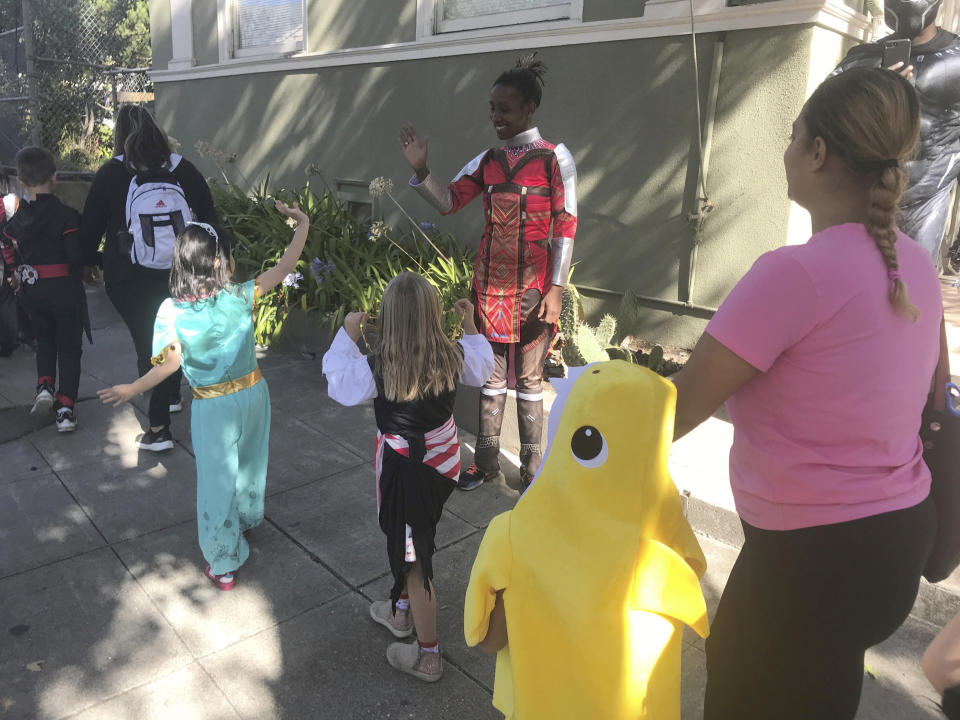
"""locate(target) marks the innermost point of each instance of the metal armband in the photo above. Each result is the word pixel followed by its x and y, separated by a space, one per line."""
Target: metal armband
pixel 433 192
pixel 561 253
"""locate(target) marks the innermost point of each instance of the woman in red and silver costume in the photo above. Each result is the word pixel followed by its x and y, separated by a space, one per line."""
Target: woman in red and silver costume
pixel 530 209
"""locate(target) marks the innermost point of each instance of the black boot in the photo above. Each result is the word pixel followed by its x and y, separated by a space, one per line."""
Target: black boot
pixel 486 458
pixel 530 424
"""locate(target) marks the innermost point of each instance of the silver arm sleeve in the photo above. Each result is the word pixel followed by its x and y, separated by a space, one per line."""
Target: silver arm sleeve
pixel 433 192
pixel 561 252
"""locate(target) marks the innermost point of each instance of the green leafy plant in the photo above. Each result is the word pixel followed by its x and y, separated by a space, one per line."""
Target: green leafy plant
pixel 347 262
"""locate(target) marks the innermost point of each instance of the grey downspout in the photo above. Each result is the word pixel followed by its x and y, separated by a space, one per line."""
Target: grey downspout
pixel 702 204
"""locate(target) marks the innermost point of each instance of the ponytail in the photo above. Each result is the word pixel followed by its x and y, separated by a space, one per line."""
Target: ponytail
pixel 526 77
pixel 882 226
pixel 870 118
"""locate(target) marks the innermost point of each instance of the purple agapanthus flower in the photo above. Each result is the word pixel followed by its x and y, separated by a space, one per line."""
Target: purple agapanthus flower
pixel 428 227
pixel 321 270
pixel 293 280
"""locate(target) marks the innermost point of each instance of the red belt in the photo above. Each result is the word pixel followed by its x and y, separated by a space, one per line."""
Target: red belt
pixel 46 272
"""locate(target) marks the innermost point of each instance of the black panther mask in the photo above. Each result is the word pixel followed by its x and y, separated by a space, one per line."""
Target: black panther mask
pixel 909 17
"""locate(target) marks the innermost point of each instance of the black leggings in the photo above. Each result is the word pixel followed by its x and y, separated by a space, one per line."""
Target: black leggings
pixel 137 298
pixel 802 606
pixel 55 308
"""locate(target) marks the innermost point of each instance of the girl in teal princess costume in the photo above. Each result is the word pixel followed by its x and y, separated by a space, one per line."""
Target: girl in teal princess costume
pixel 206 326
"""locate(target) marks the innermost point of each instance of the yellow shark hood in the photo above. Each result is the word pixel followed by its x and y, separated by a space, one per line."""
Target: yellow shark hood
pixel 599 568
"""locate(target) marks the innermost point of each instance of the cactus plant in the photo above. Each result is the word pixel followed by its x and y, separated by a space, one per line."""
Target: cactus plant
pixel 588 344
pixel 606 330
pixel 655 358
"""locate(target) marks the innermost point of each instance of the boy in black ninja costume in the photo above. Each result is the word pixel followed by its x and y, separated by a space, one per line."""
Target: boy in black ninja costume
pixel 45 233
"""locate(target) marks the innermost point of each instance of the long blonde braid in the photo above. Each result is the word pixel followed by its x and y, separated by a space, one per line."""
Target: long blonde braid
pixel 871 119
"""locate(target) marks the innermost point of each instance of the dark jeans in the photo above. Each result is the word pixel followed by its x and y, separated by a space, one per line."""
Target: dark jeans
pixel 137 298
pixel 802 606
pixel 55 309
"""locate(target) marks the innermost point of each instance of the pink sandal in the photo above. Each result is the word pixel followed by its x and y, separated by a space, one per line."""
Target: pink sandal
pixel 224 582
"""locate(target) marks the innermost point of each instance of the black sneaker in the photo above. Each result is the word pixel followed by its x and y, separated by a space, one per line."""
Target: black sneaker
pixel 473 477
pixel 66 420
pixel 43 401
pixel 176 405
pixel 156 440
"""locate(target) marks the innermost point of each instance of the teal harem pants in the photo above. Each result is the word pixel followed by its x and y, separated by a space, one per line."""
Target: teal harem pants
pixel 231 442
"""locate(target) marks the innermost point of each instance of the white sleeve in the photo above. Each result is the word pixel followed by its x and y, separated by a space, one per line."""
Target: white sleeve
pixel 349 379
pixel 477 360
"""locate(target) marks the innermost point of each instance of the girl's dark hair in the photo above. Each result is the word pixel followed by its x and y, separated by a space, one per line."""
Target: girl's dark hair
pixel 196 273
pixel 140 140
pixel 870 119
pixel 526 77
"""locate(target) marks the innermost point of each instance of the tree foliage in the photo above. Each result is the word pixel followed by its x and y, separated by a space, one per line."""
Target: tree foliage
pixel 77 43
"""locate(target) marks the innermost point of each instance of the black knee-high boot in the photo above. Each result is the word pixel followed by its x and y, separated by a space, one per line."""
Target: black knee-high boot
pixel 530 424
pixel 487 455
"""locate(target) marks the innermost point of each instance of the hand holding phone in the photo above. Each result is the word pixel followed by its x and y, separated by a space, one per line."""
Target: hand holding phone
pixel 896 57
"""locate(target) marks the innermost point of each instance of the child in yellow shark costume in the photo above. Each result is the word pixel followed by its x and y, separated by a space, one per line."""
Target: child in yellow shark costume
pixel 598 569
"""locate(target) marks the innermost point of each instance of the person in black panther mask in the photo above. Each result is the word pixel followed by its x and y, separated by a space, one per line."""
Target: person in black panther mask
pixel 935 65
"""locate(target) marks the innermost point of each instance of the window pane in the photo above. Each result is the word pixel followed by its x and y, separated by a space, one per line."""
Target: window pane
pixel 269 22
pixel 461 9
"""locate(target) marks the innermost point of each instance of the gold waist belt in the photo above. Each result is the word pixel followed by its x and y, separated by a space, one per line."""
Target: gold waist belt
pixel 227 387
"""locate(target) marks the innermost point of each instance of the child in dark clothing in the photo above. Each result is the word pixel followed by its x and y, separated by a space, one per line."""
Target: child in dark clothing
pixel 45 233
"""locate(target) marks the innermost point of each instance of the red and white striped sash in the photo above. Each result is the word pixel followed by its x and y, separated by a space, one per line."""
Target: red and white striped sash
pixel 442 451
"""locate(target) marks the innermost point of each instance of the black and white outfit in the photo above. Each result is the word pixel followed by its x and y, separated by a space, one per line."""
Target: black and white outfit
pixel 137 291
pixel 417 453
pixel 44 233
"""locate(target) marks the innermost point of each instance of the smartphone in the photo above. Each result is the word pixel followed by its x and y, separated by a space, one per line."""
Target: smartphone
pixel 895 51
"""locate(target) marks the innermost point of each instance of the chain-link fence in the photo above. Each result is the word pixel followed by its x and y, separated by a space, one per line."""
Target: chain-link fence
pixel 65 68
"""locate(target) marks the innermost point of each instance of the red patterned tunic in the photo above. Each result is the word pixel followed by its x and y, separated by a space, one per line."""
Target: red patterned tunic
pixel 528 185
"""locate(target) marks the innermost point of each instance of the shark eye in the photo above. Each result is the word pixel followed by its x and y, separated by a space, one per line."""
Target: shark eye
pixel 588 446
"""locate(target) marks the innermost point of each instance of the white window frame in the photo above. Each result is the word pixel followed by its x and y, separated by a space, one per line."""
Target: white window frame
pixel 430 18
pixel 662 18
pixel 229 34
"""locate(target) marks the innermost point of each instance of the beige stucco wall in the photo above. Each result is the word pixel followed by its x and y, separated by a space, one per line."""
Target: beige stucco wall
pixel 625 109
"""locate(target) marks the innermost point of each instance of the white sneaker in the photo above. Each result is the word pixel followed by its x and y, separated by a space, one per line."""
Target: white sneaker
pixel 176 406
pixel 42 402
pixel 66 420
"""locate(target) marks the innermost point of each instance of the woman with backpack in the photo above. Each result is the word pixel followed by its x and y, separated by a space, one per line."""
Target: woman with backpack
pixel 141 199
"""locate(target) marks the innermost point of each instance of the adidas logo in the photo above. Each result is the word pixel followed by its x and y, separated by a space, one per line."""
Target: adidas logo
pixel 160 204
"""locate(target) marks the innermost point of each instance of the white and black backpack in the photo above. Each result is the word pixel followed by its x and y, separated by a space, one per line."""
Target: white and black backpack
pixel 157 212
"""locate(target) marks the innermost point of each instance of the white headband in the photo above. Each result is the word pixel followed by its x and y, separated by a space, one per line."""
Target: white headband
pixel 209 229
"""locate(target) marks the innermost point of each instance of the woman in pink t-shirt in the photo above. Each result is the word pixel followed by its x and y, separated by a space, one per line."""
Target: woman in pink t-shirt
pixel 824 361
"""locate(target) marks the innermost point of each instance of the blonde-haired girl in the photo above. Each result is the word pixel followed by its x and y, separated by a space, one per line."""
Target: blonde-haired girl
pixel 411 376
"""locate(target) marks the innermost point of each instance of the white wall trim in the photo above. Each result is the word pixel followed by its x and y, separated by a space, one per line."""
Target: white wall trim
pixel 830 14
pixel 181 35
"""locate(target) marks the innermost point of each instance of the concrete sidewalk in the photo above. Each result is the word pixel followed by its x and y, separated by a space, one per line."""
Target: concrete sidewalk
pixel 105 613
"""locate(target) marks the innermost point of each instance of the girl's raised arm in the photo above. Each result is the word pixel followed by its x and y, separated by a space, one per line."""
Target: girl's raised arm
pixel 275 275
